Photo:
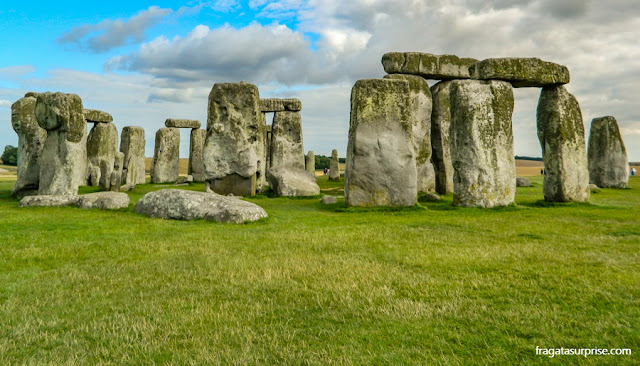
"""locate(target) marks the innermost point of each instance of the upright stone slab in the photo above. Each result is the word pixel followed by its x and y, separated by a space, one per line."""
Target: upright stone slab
pixel 608 162
pixel 286 141
pixel 116 174
pixel 166 157
pixel 102 145
pixel 196 163
pixel 429 66
pixel 132 145
pixel 482 143
pixel 561 135
pixel 310 163
pixel 31 139
pixel 520 72
pixel 381 166
pixel 421 104
pixel 334 166
pixel 63 163
pixel 234 148
pixel 440 137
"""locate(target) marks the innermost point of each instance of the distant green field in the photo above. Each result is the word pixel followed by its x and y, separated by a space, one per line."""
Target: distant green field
pixel 316 284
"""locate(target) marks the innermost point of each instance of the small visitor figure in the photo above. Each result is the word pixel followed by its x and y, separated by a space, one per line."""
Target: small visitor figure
pixel 633 171
pixel 541 171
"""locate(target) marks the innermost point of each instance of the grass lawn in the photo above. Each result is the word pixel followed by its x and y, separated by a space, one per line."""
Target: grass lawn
pixel 316 284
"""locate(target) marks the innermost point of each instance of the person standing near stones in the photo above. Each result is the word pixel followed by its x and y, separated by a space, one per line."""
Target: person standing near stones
pixel 633 171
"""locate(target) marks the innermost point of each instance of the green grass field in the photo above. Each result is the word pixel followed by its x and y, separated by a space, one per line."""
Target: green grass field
pixel 316 284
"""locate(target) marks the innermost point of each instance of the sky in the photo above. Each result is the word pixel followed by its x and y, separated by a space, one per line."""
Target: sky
pixel 144 62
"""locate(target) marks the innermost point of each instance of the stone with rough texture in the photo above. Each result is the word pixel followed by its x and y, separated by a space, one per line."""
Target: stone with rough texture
pixel 561 135
pixel 286 141
pixel 608 162
pixel 49 201
pixel 420 108
pixel 291 182
pixel 31 138
pixel 310 163
pixel 441 137
pixel 31 94
pixel 279 105
pixel 520 72
pixel 166 158
pixel 429 66
pixel 235 140
pixel 523 182
pixel 132 145
pixel 182 123
pixel 180 204
pixel 429 196
pixel 95 116
pixel 380 164
pixel 334 166
pixel 63 162
pixel 184 180
pixel 482 143
pixel 99 200
pixel 329 200
pixel 267 143
pixel 196 163
pixel 594 188
pixel 102 145
pixel 116 174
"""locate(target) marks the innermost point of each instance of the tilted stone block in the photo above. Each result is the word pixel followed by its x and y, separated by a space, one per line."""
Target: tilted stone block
pixel 286 141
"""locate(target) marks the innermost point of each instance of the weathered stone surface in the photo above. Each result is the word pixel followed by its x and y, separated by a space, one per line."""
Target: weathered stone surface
pixel 31 94
pixel 166 158
pixel 561 135
pixel 279 105
pixel 116 174
pixel 420 109
pixel 329 200
pixel 184 180
pixel 49 201
pixel 93 115
pixel 429 66
pixel 233 184
pixel 267 143
pixel 441 137
pixel 286 141
pixel 132 145
pixel 236 133
pixel 607 156
pixel 196 162
pixel 310 163
pixel 523 182
pixel 104 200
pixel 291 182
pixel 520 72
pixel 63 162
pixel 334 166
pixel 180 204
pixel 31 138
pixel 102 145
pixel 594 188
pixel 431 197
pixel 381 166
pixel 182 123
pixel 482 143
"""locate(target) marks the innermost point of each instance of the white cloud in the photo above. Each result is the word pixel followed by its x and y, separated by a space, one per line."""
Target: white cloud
pixel 16 71
pixel 5 103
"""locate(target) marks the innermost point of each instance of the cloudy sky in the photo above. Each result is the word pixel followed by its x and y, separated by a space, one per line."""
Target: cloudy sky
pixel 146 61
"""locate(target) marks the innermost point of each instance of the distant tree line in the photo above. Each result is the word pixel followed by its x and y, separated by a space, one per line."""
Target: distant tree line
pixel 10 155
pixel 528 158
pixel 323 162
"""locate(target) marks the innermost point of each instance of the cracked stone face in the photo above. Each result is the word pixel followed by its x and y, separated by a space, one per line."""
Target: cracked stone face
pixel 31 139
pixel 607 155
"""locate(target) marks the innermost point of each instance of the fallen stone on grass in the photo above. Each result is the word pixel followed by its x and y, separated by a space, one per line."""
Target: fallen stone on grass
pixel 329 200
pixel 184 180
pixel 292 182
pixel 431 196
pixel 594 188
pixel 48 201
pixel 523 182
pixel 99 200
pixel 178 204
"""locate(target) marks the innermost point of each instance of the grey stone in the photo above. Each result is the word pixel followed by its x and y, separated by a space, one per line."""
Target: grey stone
pixel 607 156
pixel 291 182
pixel 116 174
pixel 95 116
pixel 132 145
pixel 182 123
pixel 561 135
pixel 329 200
pixel 421 105
pixel 334 167
pixel 63 162
pixel 431 196
pixel 310 163
pixel 235 137
pixel 184 180
pixel 196 163
pixel 523 182
pixel 594 188
pixel 102 145
pixel 482 143
pixel 441 137
pixel 279 105
pixel 104 200
pixel 31 94
pixel 49 201
pixel 31 138
pixel 286 141
pixel 180 204
pixel 166 158
pixel 380 164
pixel 521 72
pixel 429 66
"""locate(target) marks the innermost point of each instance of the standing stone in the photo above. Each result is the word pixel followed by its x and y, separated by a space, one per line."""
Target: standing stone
pixel 608 163
pixel 421 104
pixel 561 135
pixel 286 141
pixel 166 158
pixel 132 144
pixel 234 148
pixel 63 163
pixel 334 167
pixel 196 164
pixel 381 166
pixel 116 174
pixel 31 138
pixel 440 137
pixel 482 143
pixel 102 145
pixel 310 163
